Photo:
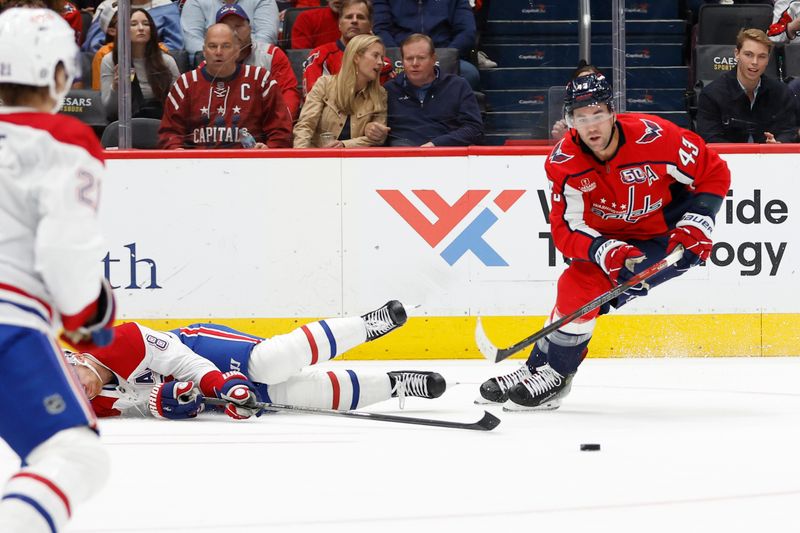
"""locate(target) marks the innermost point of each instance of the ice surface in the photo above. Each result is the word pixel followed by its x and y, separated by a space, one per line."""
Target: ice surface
pixel 687 445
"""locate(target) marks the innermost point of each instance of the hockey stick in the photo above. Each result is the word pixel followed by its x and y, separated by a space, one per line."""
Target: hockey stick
pixel 487 423
pixel 495 354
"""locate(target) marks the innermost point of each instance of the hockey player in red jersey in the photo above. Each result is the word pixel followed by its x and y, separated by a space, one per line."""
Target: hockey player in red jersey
pixel 50 248
pixel 626 190
pixel 168 373
pixel 217 104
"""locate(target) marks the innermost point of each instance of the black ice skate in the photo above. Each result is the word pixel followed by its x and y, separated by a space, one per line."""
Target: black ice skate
pixel 418 384
pixel 495 390
pixel 542 391
pixel 384 319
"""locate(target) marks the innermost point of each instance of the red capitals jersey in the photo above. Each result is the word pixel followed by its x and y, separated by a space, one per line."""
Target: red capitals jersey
pixel 640 193
pixel 327 59
pixel 206 112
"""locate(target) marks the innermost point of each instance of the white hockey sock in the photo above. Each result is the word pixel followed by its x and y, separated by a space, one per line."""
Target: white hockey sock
pixel 278 358
pixel 62 471
pixel 334 389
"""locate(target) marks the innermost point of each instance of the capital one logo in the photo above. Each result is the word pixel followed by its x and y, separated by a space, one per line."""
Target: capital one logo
pixel 448 216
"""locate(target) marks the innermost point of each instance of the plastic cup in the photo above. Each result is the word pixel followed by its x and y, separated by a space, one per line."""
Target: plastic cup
pixel 327 139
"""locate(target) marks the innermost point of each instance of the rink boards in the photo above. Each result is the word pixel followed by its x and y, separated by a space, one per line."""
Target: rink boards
pixel 266 241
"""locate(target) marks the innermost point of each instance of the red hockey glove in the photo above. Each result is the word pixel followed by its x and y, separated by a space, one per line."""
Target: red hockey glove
pixel 694 233
pixel 618 260
pixel 175 400
pixel 239 392
pixel 97 329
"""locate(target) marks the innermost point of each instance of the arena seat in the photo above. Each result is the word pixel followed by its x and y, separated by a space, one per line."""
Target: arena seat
pixel 719 23
pixel 181 58
pixel 144 133
pixel 86 105
pixel 289 18
pixel 297 57
pixel 791 60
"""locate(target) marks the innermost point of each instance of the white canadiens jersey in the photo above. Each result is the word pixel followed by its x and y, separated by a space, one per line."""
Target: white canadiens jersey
pixel 50 244
pixel 141 358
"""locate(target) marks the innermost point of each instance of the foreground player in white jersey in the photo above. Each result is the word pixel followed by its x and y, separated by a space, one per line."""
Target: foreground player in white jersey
pixel 130 375
pixel 50 250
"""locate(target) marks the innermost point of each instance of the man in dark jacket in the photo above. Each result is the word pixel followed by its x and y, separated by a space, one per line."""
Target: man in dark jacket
pixel 744 105
pixel 450 23
pixel 428 108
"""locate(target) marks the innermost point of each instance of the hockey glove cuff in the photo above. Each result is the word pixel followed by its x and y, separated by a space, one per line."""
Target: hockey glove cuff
pixel 175 400
pixel 618 260
pixel 237 390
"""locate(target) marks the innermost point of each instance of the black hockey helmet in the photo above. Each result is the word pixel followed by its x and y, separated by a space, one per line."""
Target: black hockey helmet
pixel 587 90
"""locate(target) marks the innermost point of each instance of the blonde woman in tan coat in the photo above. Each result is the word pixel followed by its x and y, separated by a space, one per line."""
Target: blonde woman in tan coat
pixel 339 107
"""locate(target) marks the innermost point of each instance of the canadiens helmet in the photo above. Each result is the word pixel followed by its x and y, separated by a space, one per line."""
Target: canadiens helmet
pixel 33 42
pixel 587 90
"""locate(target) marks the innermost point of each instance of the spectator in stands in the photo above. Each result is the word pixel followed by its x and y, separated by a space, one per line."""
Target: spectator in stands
pixel 355 18
pixel 785 26
pixel 316 27
pixel 428 108
pixel 108 23
pixel 481 21
pixel 198 15
pixel 72 15
pixel 262 55
pixel 785 29
pixel 223 104
pixel 450 23
pixel 164 12
pixel 339 107
pixel 744 105
pixel 109 26
pixel 152 73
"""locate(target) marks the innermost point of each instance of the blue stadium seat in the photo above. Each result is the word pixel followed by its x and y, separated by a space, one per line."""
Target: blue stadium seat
pixel 566 54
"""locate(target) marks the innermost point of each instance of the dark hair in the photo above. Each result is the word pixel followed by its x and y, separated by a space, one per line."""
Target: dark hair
pixel 158 75
pixel 111 23
pixel 14 94
pixel 584 68
pixel 348 3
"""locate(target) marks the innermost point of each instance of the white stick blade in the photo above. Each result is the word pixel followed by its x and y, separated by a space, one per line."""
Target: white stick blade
pixel 485 346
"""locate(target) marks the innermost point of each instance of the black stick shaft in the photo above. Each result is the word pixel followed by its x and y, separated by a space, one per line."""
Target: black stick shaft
pixel 606 297
pixel 487 423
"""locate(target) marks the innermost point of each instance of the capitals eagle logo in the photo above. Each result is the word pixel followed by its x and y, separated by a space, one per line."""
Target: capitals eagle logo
pixel 651 133
pixel 557 156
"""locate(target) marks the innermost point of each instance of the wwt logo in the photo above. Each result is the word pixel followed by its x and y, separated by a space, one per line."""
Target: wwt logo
pixel 449 216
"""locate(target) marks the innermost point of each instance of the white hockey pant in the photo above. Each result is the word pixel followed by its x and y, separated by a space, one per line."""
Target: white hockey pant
pixel 335 389
pixel 63 471
pixel 278 358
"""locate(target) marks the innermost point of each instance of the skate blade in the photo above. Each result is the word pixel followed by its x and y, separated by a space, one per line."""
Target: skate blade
pixel 511 407
pixel 480 400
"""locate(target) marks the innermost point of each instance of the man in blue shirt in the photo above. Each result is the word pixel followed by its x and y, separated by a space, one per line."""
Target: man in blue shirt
pixel 426 107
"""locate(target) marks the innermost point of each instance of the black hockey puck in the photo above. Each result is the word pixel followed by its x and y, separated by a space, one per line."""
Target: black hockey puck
pixel 590 447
